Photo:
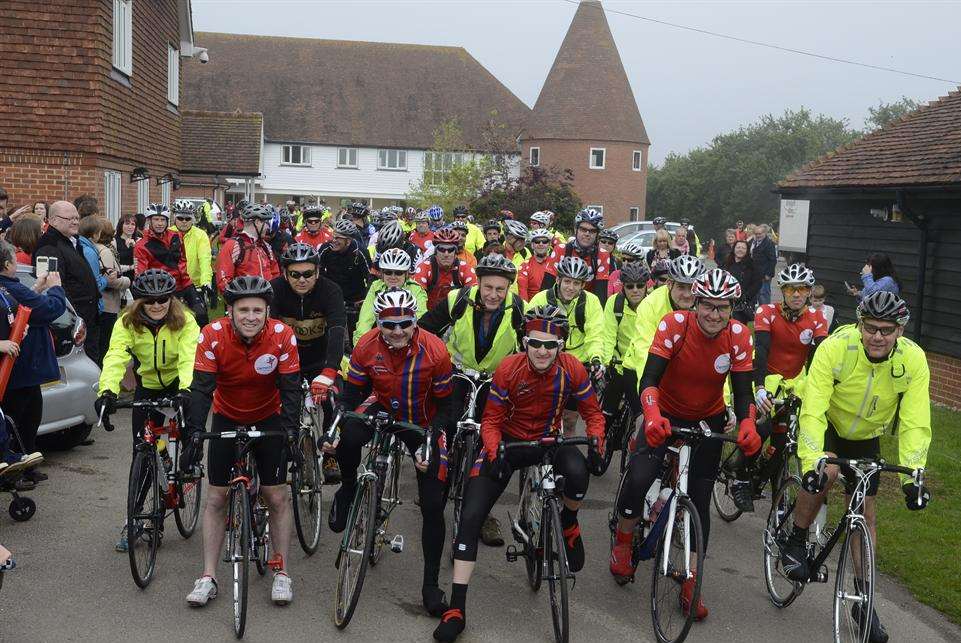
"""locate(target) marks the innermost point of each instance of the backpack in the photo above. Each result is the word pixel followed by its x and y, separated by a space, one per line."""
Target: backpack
pixel 619 300
pixel 579 314
pixel 463 300
pixel 435 275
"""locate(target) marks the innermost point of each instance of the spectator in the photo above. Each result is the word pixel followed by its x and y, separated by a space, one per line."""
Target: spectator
pixel 7 220
pixel 99 230
pixel 80 283
pixel 764 255
pixel 662 248
pixel 36 361
pixel 127 235
pixel 41 208
pixel 740 234
pixel 7 563
pixel 877 274
pixel 24 236
pixel 817 302
pixel 740 264
pixel 680 242
pixel 86 205
pixel 730 236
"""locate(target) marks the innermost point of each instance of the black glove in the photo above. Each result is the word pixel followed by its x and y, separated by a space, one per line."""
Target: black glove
pixel 915 497
pixel 812 482
pixel 183 399
pixel 292 436
pixel 192 450
pixel 595 463
pixel 105 406
pixel 500 469
pixel 210 295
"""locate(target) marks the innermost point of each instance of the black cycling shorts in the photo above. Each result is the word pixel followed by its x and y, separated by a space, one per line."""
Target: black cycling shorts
pixel 854 449
pixel 270 454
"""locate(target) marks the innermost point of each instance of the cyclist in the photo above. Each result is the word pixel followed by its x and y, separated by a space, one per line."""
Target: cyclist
pixel 785 337
pixel 392 236
pixel 394 265
pixel 436 214
pixel 585 316
pixel 531 273
pixel 492 231
pixel 278 234
pixel 442 271
pixel 633 252
pixel 162 339
pixel 587 225
pixel 410 374
pixel 868 360
pixel 247 365
pixel 248 253
pixel 607 240
pixel 692 354
pixel 196 245
pixel 314 232
pixel 358 213
pixel 545 219
pixel 474 240
pixel 527 392
pixel 515 242
pixel 163 249
pixel 422 237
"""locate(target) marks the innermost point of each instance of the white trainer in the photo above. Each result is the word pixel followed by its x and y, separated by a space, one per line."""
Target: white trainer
pixel 205 589
pixel 281 592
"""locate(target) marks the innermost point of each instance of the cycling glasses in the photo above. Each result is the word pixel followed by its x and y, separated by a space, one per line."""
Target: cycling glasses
pixel 870 329
pixel 445 249
pixel 393 273
pixel 184 218
pixel 549 344
pixel 723 309
pixel 159 301
pixel 403 324
pixel 793 290
pixel 540 240
pixel 634 286
pixel 306 274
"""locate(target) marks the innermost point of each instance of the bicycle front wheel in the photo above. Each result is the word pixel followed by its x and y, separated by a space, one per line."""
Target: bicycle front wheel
pixel 680 556
pixel 721 494
pixel 780 521
pixel 239 535
pixel 305 485
pixel 187 511
pixel 465 454
pixel 144 516
pixel 555 557
pixel 854 586
pixel 355 552
pixel 529 518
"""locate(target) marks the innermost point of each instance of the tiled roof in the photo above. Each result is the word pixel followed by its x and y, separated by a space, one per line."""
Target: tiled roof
pixel 224 143
pixel 922 148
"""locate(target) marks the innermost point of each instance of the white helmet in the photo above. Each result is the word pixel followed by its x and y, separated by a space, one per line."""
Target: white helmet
pixel 574 268
pixel 717 284
pixel 686 269
pixel 541 233
pixel 542 219
pixel 394 259
pixel 515 229
pixel 795 274
pixel 395 302
pixel 632 249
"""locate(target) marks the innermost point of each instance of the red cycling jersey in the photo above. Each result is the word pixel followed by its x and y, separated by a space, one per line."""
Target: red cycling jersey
pixel 164 251
pixel 423 241
pixel 407 381
pixel 438 286
pixel 243 255
pixel 790 341
pixel 314 239
pixel 247 390
pixel 692 387
pixel 531 276
pixel 528 405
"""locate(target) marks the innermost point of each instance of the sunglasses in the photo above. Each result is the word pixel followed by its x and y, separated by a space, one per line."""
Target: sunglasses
pixel 393 273
pixel 870 329
pixel 157 301
pixel 184 218
pixel 723 309
pixel 587 230
pixel 549 344
pixel 445 249
pixel 540 241
pixel 634 286
pixel 312 221
pixel 403 324
pixel 794 290
pixel 306 274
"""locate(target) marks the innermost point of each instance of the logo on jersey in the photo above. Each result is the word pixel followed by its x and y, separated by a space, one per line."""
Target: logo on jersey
pixel 722 363
pixel 265 364
pixel 807 335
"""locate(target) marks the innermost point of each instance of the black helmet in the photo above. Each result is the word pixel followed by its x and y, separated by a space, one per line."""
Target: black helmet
pixel 299 253
pixel 547 318
pixel 248 286
pixel 358 209
pixel 635 272
pixel 460 211
pixel 153 283
pixel 493 224
pixel 884 306
pixel 498 265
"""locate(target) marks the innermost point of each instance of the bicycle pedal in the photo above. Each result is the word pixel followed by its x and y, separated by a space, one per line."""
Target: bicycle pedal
pixel 821 576
pixel 512 554
pixel 397 544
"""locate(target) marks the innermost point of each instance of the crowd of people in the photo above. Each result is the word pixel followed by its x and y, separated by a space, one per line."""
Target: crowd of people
pixel 383 306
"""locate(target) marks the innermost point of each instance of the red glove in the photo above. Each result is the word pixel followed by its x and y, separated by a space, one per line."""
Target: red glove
pixel 323 385
pixel 747 438
pixel 657 428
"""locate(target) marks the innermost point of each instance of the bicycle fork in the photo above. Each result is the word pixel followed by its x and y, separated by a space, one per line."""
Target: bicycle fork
pixel 683 462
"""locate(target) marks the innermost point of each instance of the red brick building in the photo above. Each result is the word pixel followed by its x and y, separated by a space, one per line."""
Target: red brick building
pixel 586 119
pixel 89 97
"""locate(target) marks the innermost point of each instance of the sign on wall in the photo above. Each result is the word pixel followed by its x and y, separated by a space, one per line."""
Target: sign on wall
pixel 794 225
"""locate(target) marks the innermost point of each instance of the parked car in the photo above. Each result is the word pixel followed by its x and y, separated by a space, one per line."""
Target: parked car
pixel 216 213
pixel 68 414
pixel 646 238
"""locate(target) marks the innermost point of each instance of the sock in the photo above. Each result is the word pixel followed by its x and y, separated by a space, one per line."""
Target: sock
pixel 568 517
pixel 458 596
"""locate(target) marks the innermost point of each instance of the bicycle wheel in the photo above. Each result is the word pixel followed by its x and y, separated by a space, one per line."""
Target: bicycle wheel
pixel 355 552
pixel 673 565
pixel 721 494
pixel 387 498
pixel 555 555
pixel 305 486
pixel 261 533
pixel 144 516
pixel 187 511
pixel 626 439
pixel 239 534
pixel 529 517
pixel 780 588
pixel 459 484
pixel 854 586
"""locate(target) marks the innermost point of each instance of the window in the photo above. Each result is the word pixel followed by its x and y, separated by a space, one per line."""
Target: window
pixel 173 75
pixel 392 160
pixel 111 195
pixel 535 156
pixel 165 193
pixel 599 208
pixel 597 158
pixel 296 155
pixel 123 35
pixel 143 195
pixel 437 165
pixel 347 157
pixel 634 213
pixel 636 166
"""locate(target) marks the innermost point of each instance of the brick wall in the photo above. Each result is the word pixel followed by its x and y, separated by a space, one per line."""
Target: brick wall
pixel 617 187
pixel 36 176
pixel 945 380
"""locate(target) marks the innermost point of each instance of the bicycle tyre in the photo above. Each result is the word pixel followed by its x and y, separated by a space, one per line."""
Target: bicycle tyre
pixel 361 531
pixel 781 590
pixel 143 508
pixel 665 608
pixel 240 533
pixel 306 489
pixel 846 626
pixel 555 555
pixel 626 442
pixel 189 492
pixel 531 515
pixel 721 493
pixel 459 488
pixel 261 533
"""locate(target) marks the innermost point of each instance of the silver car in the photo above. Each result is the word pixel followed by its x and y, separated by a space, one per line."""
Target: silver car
pixel 68 413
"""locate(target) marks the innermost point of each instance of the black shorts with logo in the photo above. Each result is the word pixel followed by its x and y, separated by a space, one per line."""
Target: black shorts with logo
pixel 270 454
pixel 854 449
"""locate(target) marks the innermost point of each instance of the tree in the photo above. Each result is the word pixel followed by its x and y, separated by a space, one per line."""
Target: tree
pixel 537 188
pixel 886 113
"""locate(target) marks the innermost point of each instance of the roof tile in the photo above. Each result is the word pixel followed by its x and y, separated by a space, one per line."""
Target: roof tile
pixel 225 143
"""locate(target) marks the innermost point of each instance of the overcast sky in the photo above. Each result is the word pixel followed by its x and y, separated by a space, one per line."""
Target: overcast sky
pixel 689 86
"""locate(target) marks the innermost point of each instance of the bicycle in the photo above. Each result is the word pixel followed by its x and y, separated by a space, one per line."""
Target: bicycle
pixel 306 475
pixel 618 426
pixel 155 486
pixel 784 422
pixel 377 495
pixel 247 529
pixel 854 584
pixel 538 527
pixel 463 448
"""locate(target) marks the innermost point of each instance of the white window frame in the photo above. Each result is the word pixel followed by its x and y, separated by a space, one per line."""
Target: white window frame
pixel 173 75
pixel 634 213
pixel 636 159
pixel 530 157
pixel 123 36
pixel 599 208
pixel 165 193
pixel 112 195
pixel 348 152
pixel 590 158
pixel 143 195
pixel 384 160
pixel 437 165
pixel 287 155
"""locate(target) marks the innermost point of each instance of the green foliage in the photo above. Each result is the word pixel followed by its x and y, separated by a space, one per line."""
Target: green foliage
pixel 538 188
pixel 886 113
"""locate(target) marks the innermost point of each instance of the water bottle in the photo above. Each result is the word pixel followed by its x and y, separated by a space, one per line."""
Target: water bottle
pixel 816 535
pixel 164 454
pixel 659 505
pixel 651 497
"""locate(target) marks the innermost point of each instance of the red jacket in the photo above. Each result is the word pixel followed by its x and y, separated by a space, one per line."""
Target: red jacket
pixel 530 277
pixel 245 256
pixel 442 282
pixel 314 239
pixel 422 241
pixel 599 261
pixel 164 251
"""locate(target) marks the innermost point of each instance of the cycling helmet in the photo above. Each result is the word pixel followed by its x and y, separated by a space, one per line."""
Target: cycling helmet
pixel 542 219
pixel 358 209
pixel 183 207
pixel 299 253
pixel 410 211
pixel 635 273
pixel 345 228
pixel 574 268
pixel 632 249
pixel 390 236
pixel 661 267
pixel 257 211
pixel 493 224
pixel 460 211
pixel 314 212
pixel 608 235
pixel 884 306
pixel 541 233
pixel 394 259
pixel 686 269
pixel 153 283
pixel 435 212
pixel 659 221
pixel 446 235
pixel 273 226
pixel 591 217
pixel 685 222
pixel 248 286
pixel 514 228
pixel 395 302
pixel 396 210
pixel 497 265
pixel 421 216
pixel 717 284
pixel 547 319
pixel 796 274
pixel 460 225
pixel 157 210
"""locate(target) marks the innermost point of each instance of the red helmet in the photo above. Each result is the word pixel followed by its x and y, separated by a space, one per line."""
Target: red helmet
pixel 446 235
pixel 717 284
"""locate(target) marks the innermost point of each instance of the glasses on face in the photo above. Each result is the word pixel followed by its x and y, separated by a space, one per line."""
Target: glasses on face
pixel 393 273
pixel 795 290
pixel 306 274
pixel 871 330
pixel 445 249
pixel 549 344
pixel 540 241
pixel 402 324
pixel 586 230
pixel 184 219
pixel 71 219
pixel 633 286
pixel 721 309
pixel 157 301
pixel 312 221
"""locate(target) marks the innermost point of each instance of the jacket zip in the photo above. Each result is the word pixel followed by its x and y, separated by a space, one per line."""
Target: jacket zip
pixel 864 401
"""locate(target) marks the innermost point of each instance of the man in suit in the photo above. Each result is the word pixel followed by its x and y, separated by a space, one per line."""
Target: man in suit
pixel 764 255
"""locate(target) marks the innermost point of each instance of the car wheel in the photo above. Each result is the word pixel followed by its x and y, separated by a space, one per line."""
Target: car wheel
pixel 64 440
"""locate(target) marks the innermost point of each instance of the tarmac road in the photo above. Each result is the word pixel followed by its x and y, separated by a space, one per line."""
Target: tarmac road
pixel 70 585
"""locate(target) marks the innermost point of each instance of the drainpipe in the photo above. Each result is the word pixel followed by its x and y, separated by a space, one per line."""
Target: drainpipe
pixel 921 222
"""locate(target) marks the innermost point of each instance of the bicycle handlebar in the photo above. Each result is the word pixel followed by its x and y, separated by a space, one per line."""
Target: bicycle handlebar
pixel 870 464
pixel 477 378
pixel 382 421
pixel 240 431
pixel 702 431
pixel 549 441
pixel 103 419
